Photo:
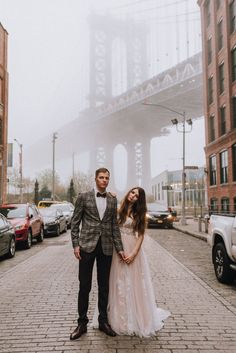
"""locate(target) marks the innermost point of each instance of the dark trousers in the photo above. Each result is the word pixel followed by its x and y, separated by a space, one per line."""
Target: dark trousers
pixel 85 278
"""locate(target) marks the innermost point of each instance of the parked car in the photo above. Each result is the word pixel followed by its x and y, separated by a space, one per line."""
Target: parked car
pixel 26 220
pixel 54 221
pixel 157 216
pixel 222 239
pixel 67 209
pixel 7 238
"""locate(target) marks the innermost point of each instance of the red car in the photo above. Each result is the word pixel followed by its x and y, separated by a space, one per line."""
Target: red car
pixel 26 220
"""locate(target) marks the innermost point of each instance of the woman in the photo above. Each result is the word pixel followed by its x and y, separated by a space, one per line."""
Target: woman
pixel 132 308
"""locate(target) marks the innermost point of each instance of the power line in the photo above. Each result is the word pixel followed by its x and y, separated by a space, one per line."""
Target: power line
pixel 174 16
pixel 144 1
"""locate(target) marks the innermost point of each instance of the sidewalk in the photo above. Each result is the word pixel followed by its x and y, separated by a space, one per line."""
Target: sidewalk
pixel 191 228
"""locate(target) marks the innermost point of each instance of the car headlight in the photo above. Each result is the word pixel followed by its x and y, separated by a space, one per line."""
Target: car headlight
pixel 169 216
pixel 20 226
pixel 148 216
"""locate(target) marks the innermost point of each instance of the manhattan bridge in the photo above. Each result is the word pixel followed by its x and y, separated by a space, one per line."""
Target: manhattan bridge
pixel 133 62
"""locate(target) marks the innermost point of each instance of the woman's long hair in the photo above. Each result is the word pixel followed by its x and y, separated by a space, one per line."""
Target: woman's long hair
pixel 138 211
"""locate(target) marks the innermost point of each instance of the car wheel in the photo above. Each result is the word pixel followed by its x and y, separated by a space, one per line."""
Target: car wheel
pixel 66 227
pixel 58 231
pixel 221 262
pixel 12 248
pixel 28 241
pixel 40 236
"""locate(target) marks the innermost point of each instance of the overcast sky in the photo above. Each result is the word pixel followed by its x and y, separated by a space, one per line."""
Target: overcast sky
pixel 48 76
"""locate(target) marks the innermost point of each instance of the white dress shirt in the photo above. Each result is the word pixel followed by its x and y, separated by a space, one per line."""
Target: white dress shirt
pixel 101 203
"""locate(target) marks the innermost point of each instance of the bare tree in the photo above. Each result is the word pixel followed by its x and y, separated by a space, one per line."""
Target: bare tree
pixel 83 182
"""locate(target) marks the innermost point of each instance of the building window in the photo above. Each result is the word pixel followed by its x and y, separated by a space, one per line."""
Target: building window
pixel 232 14
pixel 213 205
pixel 234 111
pixel 211 128
pixel 207 12
pixel 224 167
pixel 221 78
pixel 220 35
pixel 233 64
pixel 234 161
pixel 212 170
pixel 225 204
pixel 234 204
pixel 222 121
pixel 1 132
pixel 209 51
pixel 210 90
pixel 1 90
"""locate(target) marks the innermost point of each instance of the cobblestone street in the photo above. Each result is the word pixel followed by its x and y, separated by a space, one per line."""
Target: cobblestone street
pixel 39 304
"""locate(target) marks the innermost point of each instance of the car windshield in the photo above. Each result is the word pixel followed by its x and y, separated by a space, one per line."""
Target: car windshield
pixel 14 211
pixel 62 207
pixel 48 212
pixel 154 207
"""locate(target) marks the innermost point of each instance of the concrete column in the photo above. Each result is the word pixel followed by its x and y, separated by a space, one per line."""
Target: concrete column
pixel 92 159
pixel 109 164
pixel 131 165
pixel 146 166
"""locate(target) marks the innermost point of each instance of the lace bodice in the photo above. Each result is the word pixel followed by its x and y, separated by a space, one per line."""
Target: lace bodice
pixel 127 227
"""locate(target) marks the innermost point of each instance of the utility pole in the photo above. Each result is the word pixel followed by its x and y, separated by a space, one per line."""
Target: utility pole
pixel 54 137
pixel 183 131
pixel 20 169
pixel 73 166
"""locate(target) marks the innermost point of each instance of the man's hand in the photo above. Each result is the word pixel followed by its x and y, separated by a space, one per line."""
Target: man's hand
pixel 77 252
pixel 122 255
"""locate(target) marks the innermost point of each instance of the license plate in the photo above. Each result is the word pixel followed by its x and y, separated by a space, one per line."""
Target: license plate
pixel 159 221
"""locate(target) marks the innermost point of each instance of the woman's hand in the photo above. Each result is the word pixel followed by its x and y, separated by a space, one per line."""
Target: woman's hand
pixel 130 258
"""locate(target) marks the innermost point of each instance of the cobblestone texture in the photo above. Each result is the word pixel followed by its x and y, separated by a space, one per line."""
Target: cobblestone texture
pixel 39 304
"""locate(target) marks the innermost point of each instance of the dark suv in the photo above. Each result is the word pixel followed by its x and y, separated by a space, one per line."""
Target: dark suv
pixel 26 220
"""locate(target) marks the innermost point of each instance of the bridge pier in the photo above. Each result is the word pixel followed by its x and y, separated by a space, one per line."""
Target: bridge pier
pixel 139 168
pixel 146 166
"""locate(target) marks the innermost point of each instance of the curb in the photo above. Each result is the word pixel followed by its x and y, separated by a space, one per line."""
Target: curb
pixel 192 233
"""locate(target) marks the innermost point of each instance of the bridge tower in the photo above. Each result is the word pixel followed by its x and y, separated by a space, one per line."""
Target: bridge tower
pixel 118 62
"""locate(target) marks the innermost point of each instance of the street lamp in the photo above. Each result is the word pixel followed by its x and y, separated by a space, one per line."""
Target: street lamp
pixel 183 131
pixel 54 137
pixel 20 169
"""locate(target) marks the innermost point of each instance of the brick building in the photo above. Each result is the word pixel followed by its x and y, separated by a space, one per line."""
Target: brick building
pixel 3 113
pixel 219 70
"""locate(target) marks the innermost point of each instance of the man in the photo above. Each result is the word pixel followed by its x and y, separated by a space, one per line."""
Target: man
pixel 97 210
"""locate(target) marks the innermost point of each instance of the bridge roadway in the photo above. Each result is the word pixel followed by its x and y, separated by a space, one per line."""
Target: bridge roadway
pixel 125 120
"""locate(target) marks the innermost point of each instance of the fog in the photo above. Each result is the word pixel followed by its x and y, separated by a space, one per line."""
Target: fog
pixel 49 72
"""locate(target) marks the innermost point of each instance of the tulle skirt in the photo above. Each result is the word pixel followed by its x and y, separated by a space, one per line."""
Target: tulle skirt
pixel 132 308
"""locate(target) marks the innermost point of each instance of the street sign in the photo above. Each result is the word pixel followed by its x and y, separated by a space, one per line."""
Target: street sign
pixel 166 187
pixel 191 167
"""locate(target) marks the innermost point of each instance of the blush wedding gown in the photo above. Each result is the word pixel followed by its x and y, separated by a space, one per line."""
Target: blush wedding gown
pixel 132 309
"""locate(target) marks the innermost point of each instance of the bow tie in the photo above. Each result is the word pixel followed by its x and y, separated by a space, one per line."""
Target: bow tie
pixel 104 194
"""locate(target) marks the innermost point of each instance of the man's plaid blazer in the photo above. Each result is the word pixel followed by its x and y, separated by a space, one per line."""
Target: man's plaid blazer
pixel 86 235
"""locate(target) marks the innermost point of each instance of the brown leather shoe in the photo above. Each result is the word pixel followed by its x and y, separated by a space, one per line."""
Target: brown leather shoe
pixel 79 331
pixel 106 328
